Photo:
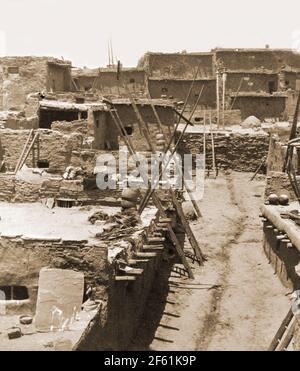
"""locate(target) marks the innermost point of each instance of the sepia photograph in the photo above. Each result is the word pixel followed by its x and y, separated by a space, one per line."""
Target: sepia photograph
pixel 149 178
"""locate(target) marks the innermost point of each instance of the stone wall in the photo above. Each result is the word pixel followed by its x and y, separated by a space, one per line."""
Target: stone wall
pixel 13 189
pixel 235 151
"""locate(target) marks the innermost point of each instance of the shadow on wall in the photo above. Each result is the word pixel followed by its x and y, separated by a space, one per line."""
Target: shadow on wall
pixel 2 165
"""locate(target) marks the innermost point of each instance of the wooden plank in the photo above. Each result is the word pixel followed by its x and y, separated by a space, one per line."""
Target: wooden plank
pixel 23 151
pixel 137 261
pixel 140 254
pixel 191 237
pixel 134 271
pixel 125 278
pixel 155 240
pixel 288 336
pixel 279 334
pixel 153 247
pixel 28 151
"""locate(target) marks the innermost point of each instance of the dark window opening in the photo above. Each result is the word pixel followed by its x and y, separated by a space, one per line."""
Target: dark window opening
pixel 164 90
pixel 132 81
pixel 287 82
pixel 272 87
pixel 79 100
pixel 43 164
pixel 97 123
pixel 13 70
pixel 65 203
pixel 128 130
pixel 89 183
pixel 13 293
pixel 49 116
pixel 197 119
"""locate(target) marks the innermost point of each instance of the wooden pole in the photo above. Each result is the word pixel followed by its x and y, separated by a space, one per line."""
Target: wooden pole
pixel 223 98
pixel 23 151
pixel 147 197
pixel 218 99
pixel 214 165
pixel 155 198
pixel 189 191
pixel 237 93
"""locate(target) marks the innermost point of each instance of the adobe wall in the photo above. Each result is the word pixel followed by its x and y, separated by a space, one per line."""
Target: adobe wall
pixel 107 83
pixel 179 89
pixel 127 301
pixel 278 182
pixel 257 82
pixel 128 116
pixel 257 59
pixel 13 189
pixel 54 146
pixel 291 105
pixel 58 78
pixel 22 258
pixel 20 76
pixel 14 88
pixel 261 107
pixel 177 65
pixel 282 259
pixel 235 151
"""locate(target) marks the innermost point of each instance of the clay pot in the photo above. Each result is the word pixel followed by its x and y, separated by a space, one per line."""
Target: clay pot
pixel 273 199
pixel 160 142
pixel 283 200
pixel 130 194
pixel 128 204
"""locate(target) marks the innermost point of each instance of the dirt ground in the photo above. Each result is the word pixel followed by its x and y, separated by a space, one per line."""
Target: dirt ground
pixel 235 302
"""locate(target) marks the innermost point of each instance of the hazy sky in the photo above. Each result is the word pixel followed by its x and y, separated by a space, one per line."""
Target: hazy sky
pixel 80 29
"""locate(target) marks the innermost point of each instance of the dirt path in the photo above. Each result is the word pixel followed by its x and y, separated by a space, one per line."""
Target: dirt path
pixel 235 302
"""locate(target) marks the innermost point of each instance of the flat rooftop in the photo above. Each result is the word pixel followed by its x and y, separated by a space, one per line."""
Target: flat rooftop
pixel 36 220
pixel 37 341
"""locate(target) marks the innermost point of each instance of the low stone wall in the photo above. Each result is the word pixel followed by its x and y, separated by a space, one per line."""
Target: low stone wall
pixel 13 189
pixel 116 325
pixel 54 146
pixel 235 151
pixel 279 183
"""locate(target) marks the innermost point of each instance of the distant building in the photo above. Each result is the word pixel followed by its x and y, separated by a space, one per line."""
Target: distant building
pixel 107 81
pixel 21 76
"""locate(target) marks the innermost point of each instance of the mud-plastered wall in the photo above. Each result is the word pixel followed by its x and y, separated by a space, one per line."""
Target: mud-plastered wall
pixel 22 258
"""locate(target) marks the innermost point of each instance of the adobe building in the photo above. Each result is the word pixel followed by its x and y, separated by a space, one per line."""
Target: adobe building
pixel 171 74
pixel 21 76
pixel 106 81
pixel 259 81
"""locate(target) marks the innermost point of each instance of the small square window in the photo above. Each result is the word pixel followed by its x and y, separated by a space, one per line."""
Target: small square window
pixel 13 70
pixel 132 81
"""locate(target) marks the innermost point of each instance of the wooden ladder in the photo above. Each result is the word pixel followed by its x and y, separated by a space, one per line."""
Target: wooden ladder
pixel 285 333
pixel 30 145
